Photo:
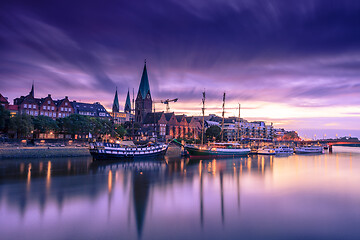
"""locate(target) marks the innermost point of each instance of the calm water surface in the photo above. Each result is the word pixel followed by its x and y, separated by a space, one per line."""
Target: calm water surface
pixel 257 197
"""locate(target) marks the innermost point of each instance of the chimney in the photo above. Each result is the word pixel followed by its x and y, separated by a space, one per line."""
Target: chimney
pixel 66 97
pixel 49 95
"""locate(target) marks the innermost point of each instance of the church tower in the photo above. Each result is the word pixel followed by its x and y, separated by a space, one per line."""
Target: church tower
pixel 115 107
pixel 143 102
pixel 127 108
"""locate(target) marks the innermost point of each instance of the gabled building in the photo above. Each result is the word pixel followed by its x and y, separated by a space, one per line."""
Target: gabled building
pixel 143 102
pixel 48 107
pixel 156 122
pixel 3 101
pixel 64 107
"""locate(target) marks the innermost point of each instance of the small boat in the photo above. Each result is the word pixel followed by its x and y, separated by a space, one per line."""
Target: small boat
pixel 217 149
pixel 119 151
pixel 284 150
pixel 266 151
pixel 309 149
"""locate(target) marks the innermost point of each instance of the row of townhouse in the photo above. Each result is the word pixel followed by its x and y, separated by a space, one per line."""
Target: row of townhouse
pixel 52 108
pixel 168 125
pixel 235 129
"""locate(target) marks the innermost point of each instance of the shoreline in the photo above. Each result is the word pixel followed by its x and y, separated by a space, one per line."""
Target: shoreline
pixel 43 152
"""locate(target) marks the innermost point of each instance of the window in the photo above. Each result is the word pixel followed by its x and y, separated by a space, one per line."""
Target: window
pixel 29 105
pixel 34 106
pixel 48 107
pixel 62 109
pixel 52 108
pixel 41 113
pixel 36 113
pixel 65 109
pixel 44 107
pixel 31 113
pixel 54 114
pixel 66 104
pixel 27 111
pixel 59 114
pixel 48 102
pixel 25 105
pixel 46 113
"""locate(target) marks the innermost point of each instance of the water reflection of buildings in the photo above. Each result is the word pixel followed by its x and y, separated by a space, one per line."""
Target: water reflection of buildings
pixel 60 180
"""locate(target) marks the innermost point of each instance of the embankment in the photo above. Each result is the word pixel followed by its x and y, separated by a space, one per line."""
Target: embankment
pixel 43 152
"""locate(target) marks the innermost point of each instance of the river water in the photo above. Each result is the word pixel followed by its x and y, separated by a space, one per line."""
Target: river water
pixel 256 197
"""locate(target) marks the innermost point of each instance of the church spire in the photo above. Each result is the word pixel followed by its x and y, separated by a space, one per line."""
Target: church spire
pixel 32 90
pixel 144 87
pixel 127 108
pixel 115 107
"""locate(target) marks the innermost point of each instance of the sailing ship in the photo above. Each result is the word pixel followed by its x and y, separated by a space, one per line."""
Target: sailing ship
pixel 126 151
pixel 222 149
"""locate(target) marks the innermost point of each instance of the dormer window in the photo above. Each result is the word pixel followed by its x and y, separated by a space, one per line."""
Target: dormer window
pixel 48 102
pixel 66 104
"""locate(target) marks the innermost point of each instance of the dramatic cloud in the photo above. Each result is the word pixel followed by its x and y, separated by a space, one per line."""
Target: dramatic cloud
pixel 302 55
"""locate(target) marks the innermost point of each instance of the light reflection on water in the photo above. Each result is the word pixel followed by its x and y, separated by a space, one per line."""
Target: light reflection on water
pixel 312 196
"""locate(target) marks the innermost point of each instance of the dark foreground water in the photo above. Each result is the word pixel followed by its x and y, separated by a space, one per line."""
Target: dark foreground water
pixel 258 197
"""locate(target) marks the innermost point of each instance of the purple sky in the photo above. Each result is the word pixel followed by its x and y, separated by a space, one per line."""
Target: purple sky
pixel 294 63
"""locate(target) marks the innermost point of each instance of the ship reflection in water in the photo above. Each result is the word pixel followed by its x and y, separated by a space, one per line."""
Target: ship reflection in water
pixel 255 197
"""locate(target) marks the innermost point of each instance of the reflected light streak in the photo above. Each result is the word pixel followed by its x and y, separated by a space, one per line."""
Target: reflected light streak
pixel 262 165
pixel 213 167
pixel 48 175
pixel 40 167
pixel 69 165
pixel 110 181
pixel 28 177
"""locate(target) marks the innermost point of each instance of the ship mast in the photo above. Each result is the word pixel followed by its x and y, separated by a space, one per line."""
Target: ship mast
pixel 203 119
pixel 238 125
pixel 223 116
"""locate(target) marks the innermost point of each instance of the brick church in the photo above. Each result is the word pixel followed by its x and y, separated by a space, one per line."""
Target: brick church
pixel 143 102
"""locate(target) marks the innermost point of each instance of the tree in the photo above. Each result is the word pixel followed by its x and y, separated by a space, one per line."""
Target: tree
pixel 44 124
pixel 120 130
pixel 4 119
pixel 21 125
pixel 213 132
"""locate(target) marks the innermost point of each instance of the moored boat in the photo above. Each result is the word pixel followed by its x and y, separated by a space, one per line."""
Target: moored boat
pixel 266 151
pixel 118 151
pixel 309 149
pixel 284 150
pixel 217 149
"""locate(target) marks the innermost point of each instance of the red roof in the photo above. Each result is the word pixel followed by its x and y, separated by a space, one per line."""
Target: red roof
pixel 13 107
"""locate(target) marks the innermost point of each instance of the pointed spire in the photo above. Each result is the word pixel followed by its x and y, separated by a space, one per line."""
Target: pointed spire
pixel 115 107
pixel 127 108
pixel 144 87
pixel 32 90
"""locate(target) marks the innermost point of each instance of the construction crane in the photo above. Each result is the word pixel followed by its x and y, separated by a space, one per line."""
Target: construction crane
pixel 166 101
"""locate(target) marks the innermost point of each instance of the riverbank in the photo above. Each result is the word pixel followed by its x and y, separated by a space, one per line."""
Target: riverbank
pixel 43 152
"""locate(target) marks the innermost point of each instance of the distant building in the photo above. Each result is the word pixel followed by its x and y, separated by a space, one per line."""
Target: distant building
pixel 3 101
pixel 42 106
pixel 143 102
pixel 90 109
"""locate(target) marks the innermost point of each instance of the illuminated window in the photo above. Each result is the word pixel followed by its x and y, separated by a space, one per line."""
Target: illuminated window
pixel 48 102
pixel 48 107
pixel 44 107
pixel 52 108
pixel 62 109
pixel 25 105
